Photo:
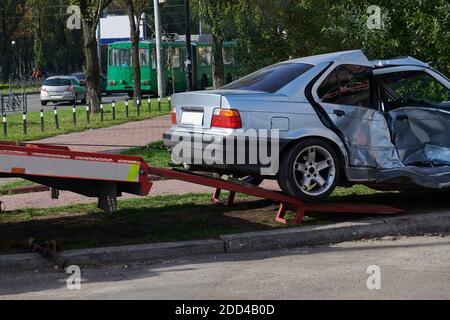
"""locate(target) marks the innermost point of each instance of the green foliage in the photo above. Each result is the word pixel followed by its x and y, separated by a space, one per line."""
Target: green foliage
pixel 11 14
pixel 54 46
pixel 416 28
pixel 90 9
pixel 269 31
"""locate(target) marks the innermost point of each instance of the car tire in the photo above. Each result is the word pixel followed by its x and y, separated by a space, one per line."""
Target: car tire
pixel 309 171
pixel 74 100
pixel 43 103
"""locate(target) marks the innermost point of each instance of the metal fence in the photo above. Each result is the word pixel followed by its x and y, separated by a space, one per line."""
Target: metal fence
pixel 12 102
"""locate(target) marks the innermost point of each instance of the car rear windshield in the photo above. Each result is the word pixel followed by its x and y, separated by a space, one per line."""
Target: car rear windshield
pixel 57 82
pixel 271 79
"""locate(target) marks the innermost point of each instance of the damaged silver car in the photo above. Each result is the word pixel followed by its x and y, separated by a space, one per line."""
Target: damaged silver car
pixel 341 119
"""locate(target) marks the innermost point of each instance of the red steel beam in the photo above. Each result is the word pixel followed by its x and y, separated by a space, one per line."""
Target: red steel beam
pixel 300 206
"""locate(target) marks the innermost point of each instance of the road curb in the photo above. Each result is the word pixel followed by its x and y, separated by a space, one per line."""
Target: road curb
pixel 348 231
pixel 113 255
pixel 124 254
pixel 412 224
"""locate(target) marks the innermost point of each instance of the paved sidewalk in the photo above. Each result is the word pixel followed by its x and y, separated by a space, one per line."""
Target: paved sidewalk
pixel 43 200
pixel 132 133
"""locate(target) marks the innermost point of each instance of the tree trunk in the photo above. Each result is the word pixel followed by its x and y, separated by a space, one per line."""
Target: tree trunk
pixel 93 97
pixel 217 65
pixel 38 38
pixel 6 56
pixel 135 32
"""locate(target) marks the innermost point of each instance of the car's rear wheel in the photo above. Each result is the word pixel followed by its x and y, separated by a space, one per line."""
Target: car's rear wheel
pixel 309 171
pixel 43 103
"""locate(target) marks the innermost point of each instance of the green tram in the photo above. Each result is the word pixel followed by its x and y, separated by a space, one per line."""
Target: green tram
pixel 120 67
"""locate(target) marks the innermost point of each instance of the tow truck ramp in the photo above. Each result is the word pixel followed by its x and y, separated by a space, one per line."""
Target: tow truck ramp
pixel 107 176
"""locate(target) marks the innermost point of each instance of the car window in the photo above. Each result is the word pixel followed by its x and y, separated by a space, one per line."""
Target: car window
pixel 120 57
pixel 348 85
pixel 270 79
pixel 328 91
pixel 144 57
pixel 205 56
pixel 414 87
pixel 57 82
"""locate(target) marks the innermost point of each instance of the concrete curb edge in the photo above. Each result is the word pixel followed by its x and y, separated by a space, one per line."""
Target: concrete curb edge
pixel 253 241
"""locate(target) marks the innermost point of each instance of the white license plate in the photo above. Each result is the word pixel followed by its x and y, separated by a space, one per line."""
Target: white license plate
pixel 192 118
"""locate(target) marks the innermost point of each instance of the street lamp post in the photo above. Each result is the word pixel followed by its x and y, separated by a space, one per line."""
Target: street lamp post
pixel 13 45
pixel 158 48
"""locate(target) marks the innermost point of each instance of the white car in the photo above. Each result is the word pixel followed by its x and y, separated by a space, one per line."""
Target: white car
pixel 62 89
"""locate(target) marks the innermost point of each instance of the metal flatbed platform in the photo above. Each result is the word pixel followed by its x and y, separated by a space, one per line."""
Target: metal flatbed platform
pixel 98 175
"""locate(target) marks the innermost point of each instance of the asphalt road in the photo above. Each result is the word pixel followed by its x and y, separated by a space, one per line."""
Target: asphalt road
pixel 34 102
pixel 410 268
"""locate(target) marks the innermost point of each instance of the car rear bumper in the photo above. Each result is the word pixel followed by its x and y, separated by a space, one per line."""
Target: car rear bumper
pixel 228 154
pixel 57 97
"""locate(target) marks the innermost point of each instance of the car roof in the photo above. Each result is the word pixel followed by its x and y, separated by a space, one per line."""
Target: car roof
pixel 353 56
pixel 60 77
pixel 400 61
pixel 358 57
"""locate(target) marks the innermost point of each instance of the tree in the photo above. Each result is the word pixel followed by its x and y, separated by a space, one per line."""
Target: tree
pixel 11 13
pixel 37 10
pixel 415 28
pixel 135 9
pixel 90 16
pixel 219 15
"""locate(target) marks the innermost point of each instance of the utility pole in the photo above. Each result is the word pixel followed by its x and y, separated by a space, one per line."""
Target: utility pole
pixel 188 44
pixel 99 45
pixel 158 48
pixel 103 14
pixel 200 22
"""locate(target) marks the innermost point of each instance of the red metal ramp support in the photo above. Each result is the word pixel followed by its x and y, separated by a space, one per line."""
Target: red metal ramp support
pixel 300 207
pixel 104 176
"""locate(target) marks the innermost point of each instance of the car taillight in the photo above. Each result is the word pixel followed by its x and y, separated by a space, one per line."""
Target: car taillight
pixel 174 115
pixel 112 83
pixel 69 89
pixel 224 118
pixel 43 89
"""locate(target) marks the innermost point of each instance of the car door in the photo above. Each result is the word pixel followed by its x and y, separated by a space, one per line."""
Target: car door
pixel 417 103
pixel 349 96
pixel 79 89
